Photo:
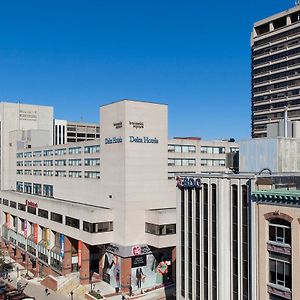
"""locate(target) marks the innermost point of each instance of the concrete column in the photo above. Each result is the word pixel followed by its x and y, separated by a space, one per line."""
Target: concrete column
pixel 84 272
pixel 125 274
pixel 67 261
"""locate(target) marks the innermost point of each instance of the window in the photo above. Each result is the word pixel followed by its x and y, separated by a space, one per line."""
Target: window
pixel 37 189
pixel 181 148
pixel 19 186
pixel 60 173
pixel 160 229
pixel 92 149
pixel 20 155
pixel 48 163
pixel 13 204
pixel 234 149
pixel 37 172
pixel 75 174
pixel 97 227
pixel 75 150
pixel 21 206
pixel 31 210
pixel 5 202
pixel 280 271
pixel 56 217
pixel 60 151
pixel 48 152
pixel 48 172
pixel 212 150
pixel 181 162
pixel 280 231
pixel 92 162
pixel 43 213
pixel 74 162
pixel 27 187
pixel 20 172
pixel 72 222
pixel 60 162
pixel 48 190
pixel 92 174
pixel 27 172
pixel 37 153
pixel 37 163
pixel 28 163
pixel 27 154
pixel 213 162
pixel 20 163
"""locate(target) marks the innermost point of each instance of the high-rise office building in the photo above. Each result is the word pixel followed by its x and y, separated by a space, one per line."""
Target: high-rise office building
pixel 275 43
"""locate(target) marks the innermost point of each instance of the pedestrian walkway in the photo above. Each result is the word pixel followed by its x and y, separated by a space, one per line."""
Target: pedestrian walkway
pixel 33 288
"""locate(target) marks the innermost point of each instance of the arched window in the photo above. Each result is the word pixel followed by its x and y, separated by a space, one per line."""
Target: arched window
pixel 280 231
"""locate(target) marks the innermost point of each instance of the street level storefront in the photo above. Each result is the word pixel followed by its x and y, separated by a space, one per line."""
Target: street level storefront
pixel 139 266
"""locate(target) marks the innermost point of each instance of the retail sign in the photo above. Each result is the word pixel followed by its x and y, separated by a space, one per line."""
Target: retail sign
pixel 113 249
pixel 31 203
pixel 35 233
pixel 188 182
pixel 143 140
pixel 113 140
pixel 62 245
pixel 138 261
pixel 118 125
pixel 136 125
pixel 79 253
pixel 136 250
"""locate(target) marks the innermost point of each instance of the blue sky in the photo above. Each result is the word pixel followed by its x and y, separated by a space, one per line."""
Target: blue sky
pixel 78 55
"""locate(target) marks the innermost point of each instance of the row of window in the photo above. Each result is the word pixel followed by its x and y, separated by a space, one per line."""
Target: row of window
pixel 181 162
pixel 279 85
pixel 60 162
pixel 35 188
pixel 56 217
pixel 277 96
pixel 277 37
pixel 277 56
pixel 212 150
pixel 276 76
pixel 213 162
pixel 61 173
pixel 62 151
pixel 277 47
pixel 181 148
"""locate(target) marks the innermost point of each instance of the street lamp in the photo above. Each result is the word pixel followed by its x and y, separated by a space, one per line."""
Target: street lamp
pixel 91 280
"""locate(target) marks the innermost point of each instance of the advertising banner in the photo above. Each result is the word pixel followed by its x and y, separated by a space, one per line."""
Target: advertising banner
pixel 62 245
pixel 35 233
pixel 8 220
pixel 25 228
pixel 79 253
pixel 47 238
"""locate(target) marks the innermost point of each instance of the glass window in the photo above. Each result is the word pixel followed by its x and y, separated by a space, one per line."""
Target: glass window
pixel 27 187
pixel 43 213
pixel 72 222
pixel 280 231
pixel 56 217
pixel 37 189
pixel 48 190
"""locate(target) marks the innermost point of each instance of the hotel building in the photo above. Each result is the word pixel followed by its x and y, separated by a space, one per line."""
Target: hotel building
pixel 275 43
pixel 105 206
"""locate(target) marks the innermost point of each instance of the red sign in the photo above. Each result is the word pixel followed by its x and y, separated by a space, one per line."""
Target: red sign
pixel 79 253
pixel 30 203
pixel 35 233
pixel 136 250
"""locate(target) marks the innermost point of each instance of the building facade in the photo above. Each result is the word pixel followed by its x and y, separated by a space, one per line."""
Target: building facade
pixel 212 245
pixel 275 235
pixel 275 69
pixel 105 206
pixel 72 132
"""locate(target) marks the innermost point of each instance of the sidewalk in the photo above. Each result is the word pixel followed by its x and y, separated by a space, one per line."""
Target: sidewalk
pixel 34 288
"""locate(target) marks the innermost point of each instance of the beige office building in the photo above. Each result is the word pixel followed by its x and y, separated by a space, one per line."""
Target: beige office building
pixel 275 43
